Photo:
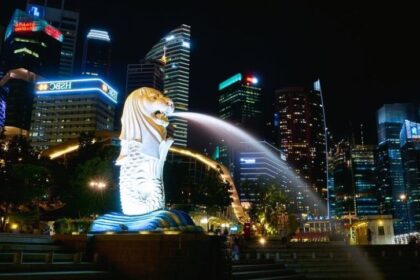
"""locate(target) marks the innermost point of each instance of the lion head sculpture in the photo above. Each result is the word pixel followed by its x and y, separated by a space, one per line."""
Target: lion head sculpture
pixel 144 119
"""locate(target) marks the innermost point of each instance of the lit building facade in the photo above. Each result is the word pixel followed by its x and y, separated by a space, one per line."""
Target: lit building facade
pixel 390 119
pixel 65 20
pixel 31 46
pixel 302 134
pixel 410 156
pixel 174 51
pixel 364 179
pixel 31 43
pixel 64 109
pixel 147 73
pixel 353 173
pixel 255 168
pixel 96 59
pixel 239 104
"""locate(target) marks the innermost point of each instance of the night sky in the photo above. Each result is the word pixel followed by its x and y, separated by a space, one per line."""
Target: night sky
pixel 366 54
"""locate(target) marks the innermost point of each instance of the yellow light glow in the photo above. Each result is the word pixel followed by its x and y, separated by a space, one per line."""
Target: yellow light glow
pixel 171 232
pixel 380 222
pixel 262 241
pixel 109 232
pixel 14 226
pixel 64 151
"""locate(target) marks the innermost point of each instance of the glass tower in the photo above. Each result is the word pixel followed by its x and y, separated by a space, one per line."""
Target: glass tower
pixel 302 134
pixel 65 20
pixel 97 54
pixel 174 51
pixel 410 156
pixel 390 118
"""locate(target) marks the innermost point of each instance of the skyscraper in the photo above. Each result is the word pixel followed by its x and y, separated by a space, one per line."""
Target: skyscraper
pixel 239 104
pixel 174 50
pixel 147 73
pixel 410 156
pixel 302 133
pixel 31 48
pixel 31 43
pixel 65 20
pixel 390 119
pixel 97 54
pixel 64 109
pixel 352 171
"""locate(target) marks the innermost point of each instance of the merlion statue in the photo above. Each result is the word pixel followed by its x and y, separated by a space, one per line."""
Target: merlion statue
pixel 144 146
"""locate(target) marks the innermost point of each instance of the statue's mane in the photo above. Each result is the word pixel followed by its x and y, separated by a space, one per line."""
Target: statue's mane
pixel 135 123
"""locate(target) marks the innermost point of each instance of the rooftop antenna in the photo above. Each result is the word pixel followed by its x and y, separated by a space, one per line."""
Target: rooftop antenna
pixel 361 134
pixel 164 59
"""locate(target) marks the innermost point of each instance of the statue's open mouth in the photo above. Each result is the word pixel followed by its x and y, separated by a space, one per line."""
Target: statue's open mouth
pixel 161 118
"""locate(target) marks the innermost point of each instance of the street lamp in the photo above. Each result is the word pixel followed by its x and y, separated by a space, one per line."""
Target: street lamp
pixel 99 185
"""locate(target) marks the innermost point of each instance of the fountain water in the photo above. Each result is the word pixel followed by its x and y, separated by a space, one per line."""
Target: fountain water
pixel 235 135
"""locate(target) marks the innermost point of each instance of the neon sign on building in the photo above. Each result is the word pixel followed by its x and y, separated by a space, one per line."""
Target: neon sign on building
pixel 22 22
pixel 77 86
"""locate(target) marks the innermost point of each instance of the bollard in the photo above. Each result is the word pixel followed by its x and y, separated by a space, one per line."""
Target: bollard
pixel 383 253
pixel 96 258
pixel 49 257
pixel 399 253
pixel 17 258
pixel 331 255
pixel 295 256
pixel 258 256
pixel 277 257
pixel 267 256
pixel 77 257
pixel 247 256
pixel 313 255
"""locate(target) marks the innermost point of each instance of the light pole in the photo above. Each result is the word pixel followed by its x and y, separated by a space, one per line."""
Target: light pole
pixel 98 185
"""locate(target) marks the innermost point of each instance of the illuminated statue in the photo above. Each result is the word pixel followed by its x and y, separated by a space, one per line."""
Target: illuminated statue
pixel 144 146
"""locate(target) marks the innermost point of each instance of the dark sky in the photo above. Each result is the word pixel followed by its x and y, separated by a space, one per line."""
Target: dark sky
pixel 365 52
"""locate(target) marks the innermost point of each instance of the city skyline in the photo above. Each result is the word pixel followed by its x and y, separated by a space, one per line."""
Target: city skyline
pixel 362 56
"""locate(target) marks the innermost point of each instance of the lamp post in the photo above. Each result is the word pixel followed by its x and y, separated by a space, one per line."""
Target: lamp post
pixel 98 185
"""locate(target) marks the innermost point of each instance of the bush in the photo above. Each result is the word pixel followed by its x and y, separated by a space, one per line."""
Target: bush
pixel 68 226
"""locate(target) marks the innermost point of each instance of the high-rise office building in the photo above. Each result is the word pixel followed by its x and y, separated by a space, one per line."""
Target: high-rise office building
pixel 410 156
pixel 239 104
pixel 364 180
pixel 65 20
pixel 31 43
pixel 96 59
pixel 302 133
pixel 31 47
pixel 353 173
pixel 64 109
pixel 390 119
pixel 174 50
pixel 147 73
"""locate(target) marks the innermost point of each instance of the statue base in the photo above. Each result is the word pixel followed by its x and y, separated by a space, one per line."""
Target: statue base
pixel 157 221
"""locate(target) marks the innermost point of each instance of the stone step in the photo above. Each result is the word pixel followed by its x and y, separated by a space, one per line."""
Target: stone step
pixel 59 275
pixel 25 238
pixel 16 247
pixel 261 273
pixel 281 277
pixel 255 267
pixel 39 267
